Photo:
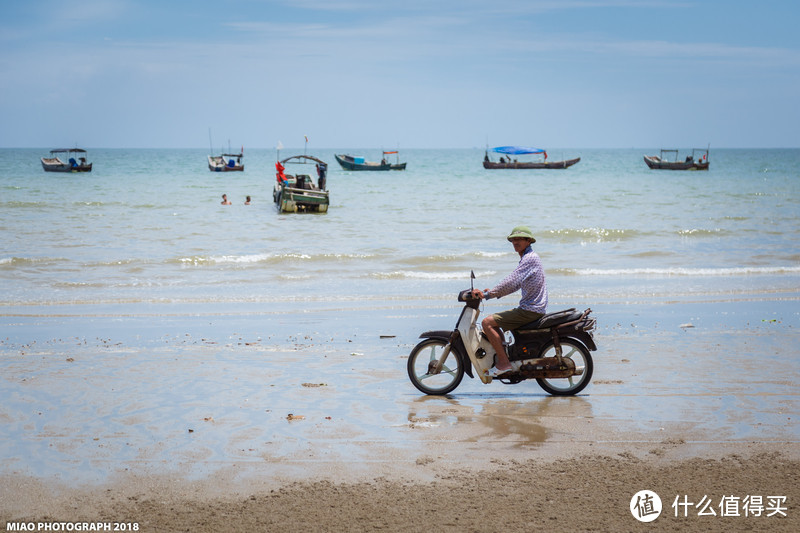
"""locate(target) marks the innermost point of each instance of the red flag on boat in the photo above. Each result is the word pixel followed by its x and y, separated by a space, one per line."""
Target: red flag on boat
pixel 280 176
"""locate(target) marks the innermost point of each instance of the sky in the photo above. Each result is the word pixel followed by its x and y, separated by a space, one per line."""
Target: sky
pixel 399 73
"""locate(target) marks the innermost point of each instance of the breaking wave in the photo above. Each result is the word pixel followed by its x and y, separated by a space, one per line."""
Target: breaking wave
pixel 411 274
pixel 267 258
pixel 667 272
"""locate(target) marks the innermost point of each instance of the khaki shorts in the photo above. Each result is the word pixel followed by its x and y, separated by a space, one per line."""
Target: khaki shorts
pixel 514 318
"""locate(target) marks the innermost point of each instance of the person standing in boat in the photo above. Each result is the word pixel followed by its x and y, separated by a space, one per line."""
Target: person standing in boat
pixel 529 277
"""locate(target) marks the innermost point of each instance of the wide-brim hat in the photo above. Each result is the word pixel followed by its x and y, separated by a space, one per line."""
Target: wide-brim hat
pixel 522 231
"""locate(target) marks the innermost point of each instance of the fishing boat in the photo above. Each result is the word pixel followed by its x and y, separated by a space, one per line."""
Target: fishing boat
pixel 225 162
pixel 669 160
pixel 350 162
pixel 298 193
pixel 506 160
pixel 55 164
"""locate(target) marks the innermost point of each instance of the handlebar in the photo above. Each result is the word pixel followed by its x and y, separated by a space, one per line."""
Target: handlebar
pixel 466 296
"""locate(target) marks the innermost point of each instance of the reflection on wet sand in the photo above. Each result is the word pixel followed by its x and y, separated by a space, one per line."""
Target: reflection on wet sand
pixel 516 419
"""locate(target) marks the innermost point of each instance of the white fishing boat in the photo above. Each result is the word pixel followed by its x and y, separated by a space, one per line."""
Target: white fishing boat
pixel 55 164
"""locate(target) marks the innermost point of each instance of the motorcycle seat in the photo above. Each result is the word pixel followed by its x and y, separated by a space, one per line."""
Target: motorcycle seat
pixel 554 319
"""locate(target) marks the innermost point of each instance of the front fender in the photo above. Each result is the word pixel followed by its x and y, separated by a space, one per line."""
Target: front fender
pixel 438 334
pixel 458 347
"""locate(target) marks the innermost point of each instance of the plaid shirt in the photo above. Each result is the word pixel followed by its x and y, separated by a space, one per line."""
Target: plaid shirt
pixel 528 276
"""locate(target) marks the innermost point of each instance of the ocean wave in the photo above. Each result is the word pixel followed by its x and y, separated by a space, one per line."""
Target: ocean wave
pixel 414 274
pixel 678 271
pixel 115 263
pixel 258 258
pixel 24 261
pixel 451 258
pixel 592 234
pixel 600 235
pixel 24 204
pixel 699 232
pixel 295 277
pixel 268 258
pixel 652 253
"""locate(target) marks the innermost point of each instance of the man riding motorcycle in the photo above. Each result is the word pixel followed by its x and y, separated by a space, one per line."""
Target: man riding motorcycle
pixel 528 276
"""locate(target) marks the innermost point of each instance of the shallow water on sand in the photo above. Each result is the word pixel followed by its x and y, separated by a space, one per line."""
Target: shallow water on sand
pixel 193 396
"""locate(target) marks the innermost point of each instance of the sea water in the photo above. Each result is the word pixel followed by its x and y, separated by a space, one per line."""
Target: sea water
pixel 141 322
pixel 146 229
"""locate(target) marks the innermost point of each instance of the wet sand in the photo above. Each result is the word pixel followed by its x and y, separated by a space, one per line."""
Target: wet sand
pixel 183 423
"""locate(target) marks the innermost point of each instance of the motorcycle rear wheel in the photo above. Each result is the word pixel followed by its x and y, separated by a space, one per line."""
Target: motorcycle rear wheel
pixel 419 362
pixel 572 385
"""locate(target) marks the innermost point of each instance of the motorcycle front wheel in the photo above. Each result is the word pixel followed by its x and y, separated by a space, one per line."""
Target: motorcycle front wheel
pixel 420 361
pixel 573 384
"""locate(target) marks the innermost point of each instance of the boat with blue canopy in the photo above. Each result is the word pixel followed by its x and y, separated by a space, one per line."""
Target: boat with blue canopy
pixel 507 161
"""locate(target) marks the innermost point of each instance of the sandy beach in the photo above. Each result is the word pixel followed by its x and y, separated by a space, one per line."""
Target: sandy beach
pixel 580 493
pixel 191 423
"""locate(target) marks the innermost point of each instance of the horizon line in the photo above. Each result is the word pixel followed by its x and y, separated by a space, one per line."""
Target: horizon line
pixel 408 148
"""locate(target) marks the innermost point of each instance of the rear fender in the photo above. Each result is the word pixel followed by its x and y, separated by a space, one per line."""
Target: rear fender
pixel 458 347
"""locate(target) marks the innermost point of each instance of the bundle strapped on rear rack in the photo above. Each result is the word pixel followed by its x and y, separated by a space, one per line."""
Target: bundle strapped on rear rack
pixel 584 323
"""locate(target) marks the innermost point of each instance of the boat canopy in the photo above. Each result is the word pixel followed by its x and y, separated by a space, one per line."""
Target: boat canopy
pixel 70 150
pixel 516 150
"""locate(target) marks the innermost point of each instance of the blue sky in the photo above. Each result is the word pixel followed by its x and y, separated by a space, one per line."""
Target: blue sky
pixel 411 73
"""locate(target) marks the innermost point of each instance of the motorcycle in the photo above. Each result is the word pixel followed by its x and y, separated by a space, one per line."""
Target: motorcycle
pixel 554 350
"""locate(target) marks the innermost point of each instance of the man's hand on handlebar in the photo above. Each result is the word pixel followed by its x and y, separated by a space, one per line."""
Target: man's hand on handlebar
pixel 478 294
